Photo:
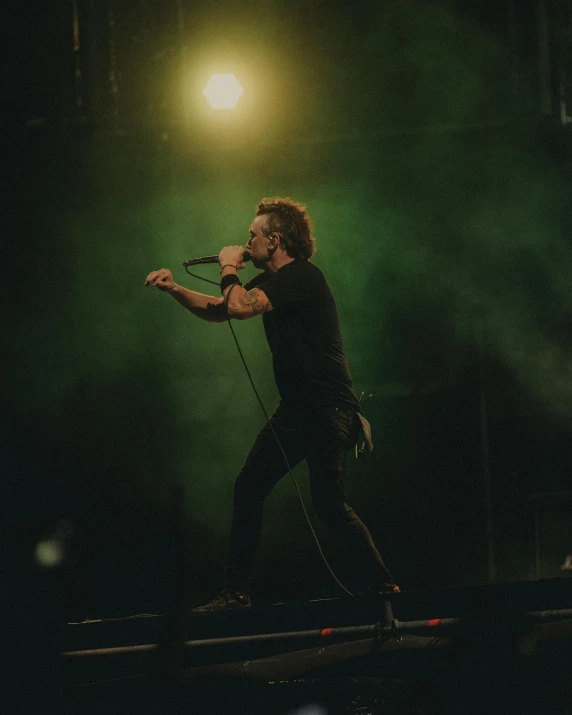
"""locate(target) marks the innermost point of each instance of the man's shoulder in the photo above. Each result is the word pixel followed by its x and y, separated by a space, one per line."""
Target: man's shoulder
pixel 301 267
pixel 304 264
pixel 299 275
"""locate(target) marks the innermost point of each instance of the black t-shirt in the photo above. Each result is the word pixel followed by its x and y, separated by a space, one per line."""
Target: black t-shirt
pixel 303 333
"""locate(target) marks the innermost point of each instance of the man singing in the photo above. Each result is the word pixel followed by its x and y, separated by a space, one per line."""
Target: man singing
pixel 318 418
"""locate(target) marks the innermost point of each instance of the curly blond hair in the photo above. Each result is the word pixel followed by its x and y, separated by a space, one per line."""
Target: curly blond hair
pixel 291 222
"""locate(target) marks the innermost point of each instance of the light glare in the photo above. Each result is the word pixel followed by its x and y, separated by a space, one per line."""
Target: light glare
pixel 223 91
pixel 49 553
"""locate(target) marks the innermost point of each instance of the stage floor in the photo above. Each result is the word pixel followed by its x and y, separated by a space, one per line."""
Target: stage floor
pixel 441 651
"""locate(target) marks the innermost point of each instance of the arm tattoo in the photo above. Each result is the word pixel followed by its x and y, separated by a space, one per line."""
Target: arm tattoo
pixel 251 298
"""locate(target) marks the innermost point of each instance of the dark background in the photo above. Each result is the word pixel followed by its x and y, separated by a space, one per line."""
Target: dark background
pixel 431 142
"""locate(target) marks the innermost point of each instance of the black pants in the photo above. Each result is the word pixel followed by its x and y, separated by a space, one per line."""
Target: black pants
pixel 323 439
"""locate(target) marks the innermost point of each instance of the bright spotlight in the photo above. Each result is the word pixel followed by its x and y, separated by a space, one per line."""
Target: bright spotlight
pixel 223 91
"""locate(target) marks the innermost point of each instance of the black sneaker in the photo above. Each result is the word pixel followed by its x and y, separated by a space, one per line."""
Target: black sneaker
pixel 228 600
pixel 388 588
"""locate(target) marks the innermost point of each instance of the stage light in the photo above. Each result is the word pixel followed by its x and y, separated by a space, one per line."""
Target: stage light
pixel 223 91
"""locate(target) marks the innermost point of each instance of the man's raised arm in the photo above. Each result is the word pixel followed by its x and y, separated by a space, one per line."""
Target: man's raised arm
pixel 240 303
pixel 205 307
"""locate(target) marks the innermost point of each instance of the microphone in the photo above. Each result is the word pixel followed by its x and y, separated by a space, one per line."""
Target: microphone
pixel 212 259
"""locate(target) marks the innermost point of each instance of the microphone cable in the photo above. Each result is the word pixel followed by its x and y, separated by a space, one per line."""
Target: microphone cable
pixel 268 421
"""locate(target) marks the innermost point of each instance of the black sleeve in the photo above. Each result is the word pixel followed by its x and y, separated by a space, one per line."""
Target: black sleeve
pixel 256 281
pixel 291 284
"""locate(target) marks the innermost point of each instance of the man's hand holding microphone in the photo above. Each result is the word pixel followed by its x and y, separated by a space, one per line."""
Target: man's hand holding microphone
pixel 232 256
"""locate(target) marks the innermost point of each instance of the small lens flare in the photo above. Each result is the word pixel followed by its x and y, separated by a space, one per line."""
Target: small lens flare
pixel 49 553
pixel 223 91
pixel 310 709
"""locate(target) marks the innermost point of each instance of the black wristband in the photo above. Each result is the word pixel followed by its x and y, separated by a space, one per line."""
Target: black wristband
pixel 229 280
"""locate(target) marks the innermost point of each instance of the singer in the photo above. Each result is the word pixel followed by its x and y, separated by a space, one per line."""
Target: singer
pixel 318 418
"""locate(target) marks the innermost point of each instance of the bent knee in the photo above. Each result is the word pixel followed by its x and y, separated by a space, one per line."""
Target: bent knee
pixel 247 489
pixel 332 512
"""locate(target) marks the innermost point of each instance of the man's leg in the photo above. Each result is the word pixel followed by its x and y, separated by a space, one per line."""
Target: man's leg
pixel 264 467
pixel 327 456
